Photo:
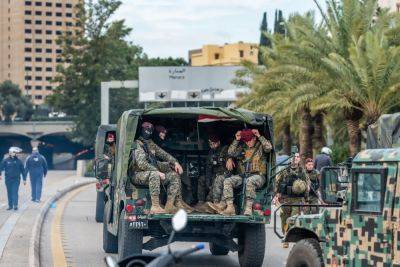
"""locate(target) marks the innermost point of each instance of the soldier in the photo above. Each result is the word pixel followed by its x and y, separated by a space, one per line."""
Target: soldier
pixel 291 188
pixel 313 182
pixel 160 136
pixel 149 171
pixel 211 184
pixel 250 156
pixel 107 160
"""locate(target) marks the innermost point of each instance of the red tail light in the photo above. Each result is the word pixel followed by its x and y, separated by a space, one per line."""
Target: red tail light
pixel 140 202
pixel 257 206
pixel 267 212
pixel 129 208
pixel 98 186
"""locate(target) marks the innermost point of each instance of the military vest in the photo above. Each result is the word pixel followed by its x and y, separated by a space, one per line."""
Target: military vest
pixel 216 160
pixel 252 164
pixel 313 176
pixel 290 175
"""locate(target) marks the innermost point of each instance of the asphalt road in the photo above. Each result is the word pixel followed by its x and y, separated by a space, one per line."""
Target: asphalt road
pixel 71 237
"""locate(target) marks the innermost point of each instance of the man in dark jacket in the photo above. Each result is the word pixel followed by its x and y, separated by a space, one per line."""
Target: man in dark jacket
pixel 323 159
pixel 36 166
pixel 13 169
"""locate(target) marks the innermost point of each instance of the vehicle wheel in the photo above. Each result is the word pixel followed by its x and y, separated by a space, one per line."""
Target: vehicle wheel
pixel 110 241
pixel 99 207
pixel 217 250
pixel 251 245
pixel 129 241
pixel 305 253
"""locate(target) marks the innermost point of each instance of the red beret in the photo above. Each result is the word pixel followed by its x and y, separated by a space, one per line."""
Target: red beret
pixel 160 129
pixel 246 135
pixel 147 125
pixel 110 135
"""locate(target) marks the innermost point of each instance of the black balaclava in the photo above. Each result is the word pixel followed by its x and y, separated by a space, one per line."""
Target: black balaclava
pixel 147 130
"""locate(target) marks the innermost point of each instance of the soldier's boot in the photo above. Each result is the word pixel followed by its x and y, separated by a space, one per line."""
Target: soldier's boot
pixel 155 205
pixel 285 244
pixel 199 207
pixel 170 207
pixel 180 204
pixel 218 207
pixel 248 208
pixel 230 209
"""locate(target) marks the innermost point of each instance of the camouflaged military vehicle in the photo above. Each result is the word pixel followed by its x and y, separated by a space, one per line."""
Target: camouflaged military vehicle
pixel 126 218
pixel 359 224
pixel 102 168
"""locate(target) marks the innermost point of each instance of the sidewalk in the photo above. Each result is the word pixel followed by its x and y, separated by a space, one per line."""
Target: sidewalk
pixel 20 224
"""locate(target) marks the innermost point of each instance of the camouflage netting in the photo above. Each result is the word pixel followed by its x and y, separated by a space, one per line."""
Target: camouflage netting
pixel 385 133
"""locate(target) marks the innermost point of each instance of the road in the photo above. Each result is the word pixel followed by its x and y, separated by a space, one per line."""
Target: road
pixel 71 237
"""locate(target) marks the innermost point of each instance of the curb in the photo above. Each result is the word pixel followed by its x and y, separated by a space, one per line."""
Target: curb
pixel 34 242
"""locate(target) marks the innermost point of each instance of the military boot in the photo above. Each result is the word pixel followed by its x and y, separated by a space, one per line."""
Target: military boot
pixel 248 208
pixel 230 209
pixel 180 204
pixel 170 207
pixel 155 205
pixel 218 207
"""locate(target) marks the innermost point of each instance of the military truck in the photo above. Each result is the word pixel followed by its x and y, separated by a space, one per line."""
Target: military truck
pixel 126 218
pixel 361 228
pixel 102 168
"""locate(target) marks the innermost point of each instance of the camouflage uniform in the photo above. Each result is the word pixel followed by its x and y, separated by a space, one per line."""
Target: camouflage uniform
pixel 210 185
pixel 313 183
pixel 287 177
pixel 256 169
pixel 106 165
pixel 146 171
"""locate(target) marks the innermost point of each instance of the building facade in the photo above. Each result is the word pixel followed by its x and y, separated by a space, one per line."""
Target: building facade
pixel 393 5
pixel 226 55
pixel 29 52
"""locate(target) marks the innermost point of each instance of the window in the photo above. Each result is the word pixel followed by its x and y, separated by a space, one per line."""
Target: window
pixel 58 51
pixel 28 68
pixel 38 87
pixel 58 60
pixel 49 14
pixel 69 15
pixel 49 79
pixel 28 59
pixel 48 4
pixel 28 49
pixel 369 189
pixel 28 21
pixel 38 31
pixel 38 41
pixel 241 53
pixel 28 12
pixel 59 14
pixel 38 22
pixel 38 13
pixel 28 40
pixel 38 97
pixel 49 59
pixel 69 24
pixel 69 33
pixel 49 22
pixel 38 59
pixel 49 69
pixel 38 3
pixel 38 69
pixel 59 23
pixel 48 41
pixel 216 56
pixel 49 32
pixel 28 87
pixel 58 5
pixel 68 5
pixel 49 50
pixel 38 50
pixel 58 32
pixel 38 78
pixel 28 31
pixel 28 3
pixel 28 78
pixel 49 88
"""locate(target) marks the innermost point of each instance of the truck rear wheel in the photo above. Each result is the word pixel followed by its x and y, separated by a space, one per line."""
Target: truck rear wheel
pixel 99 207
pixel 110 241
pixel 218 250
pixel 129 241
pixel 305 253
pixel 251 245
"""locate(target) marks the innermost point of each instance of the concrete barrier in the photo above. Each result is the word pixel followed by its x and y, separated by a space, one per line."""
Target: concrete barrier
pixel 81 167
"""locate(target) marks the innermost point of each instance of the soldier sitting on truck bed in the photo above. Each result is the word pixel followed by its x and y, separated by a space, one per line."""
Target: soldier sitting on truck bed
pixel 250 157
pixel 149 171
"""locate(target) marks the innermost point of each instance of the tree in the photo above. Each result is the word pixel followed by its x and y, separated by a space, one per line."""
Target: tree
pixel 264 40
pixel 13 103
pixel 279 25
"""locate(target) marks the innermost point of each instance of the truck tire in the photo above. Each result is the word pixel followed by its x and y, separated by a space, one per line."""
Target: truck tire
pixel 251 245
pixel 218 250
pixel 305 253
pixel 129 241
pixel 99 207
pixel 110 241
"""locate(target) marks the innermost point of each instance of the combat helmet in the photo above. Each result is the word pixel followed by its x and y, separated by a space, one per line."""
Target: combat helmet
pixel 299 187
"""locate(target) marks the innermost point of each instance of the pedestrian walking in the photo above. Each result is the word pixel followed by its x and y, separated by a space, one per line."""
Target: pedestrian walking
pixel 36 167
pixel 14 170
pixel 323 159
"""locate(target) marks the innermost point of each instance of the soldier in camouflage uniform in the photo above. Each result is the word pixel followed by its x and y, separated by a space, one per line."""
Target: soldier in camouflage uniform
pixel 313 182
pixel 211 184
pixel 107 160
pixel 286 193
pixel 250 157
pixel 154 173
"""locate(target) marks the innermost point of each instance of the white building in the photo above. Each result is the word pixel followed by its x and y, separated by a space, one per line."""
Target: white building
pixel 394 5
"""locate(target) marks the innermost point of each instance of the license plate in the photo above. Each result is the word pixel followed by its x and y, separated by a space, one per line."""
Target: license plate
pixel 139 225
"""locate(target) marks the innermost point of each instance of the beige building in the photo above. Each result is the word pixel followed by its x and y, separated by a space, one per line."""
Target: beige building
pixel 394 5
pixel 226 55
pixel 28 50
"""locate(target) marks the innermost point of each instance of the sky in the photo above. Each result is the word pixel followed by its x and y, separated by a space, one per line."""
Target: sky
pixel 173 27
